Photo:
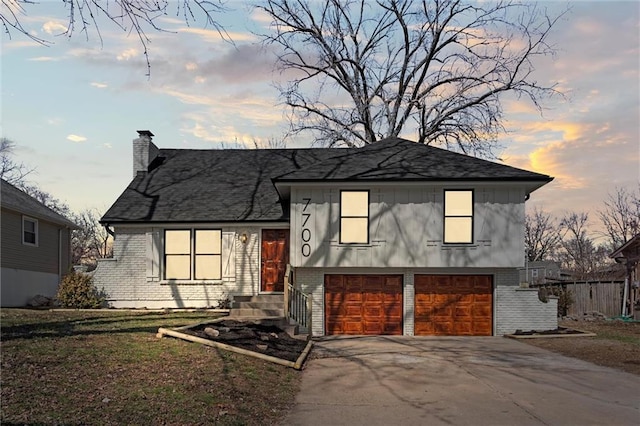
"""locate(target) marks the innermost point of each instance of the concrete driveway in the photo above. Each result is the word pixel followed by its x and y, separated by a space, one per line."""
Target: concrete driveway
pixel 458 381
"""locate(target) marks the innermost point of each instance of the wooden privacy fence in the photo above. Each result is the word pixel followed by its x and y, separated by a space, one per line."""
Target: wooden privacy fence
pixel 589 296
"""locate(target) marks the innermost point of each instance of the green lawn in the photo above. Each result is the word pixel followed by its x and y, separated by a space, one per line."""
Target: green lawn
pixel 108 367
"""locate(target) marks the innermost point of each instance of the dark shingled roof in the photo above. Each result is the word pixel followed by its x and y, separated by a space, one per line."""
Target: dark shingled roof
pixel 238 185
pixel 396 159
pixel 14 199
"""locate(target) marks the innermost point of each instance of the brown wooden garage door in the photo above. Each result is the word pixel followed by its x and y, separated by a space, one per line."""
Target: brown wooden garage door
pixel 363 304
pixel 453 305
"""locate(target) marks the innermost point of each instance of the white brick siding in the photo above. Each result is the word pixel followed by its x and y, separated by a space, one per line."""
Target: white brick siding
pixel 409 300
pixel 514 308
pixel 520 308
pixel 247 262
pixel 311 281
pixel 124 280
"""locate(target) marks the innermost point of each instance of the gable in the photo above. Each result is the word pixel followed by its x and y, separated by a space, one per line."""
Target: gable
pixel 21 202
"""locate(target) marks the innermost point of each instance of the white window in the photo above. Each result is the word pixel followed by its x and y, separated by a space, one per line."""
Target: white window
pixel 208 254
pixel 29 231
pixel 192 253
pixel 458 216
pixel 354 217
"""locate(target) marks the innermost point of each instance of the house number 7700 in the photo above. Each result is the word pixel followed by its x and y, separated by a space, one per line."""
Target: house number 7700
pixel 306 232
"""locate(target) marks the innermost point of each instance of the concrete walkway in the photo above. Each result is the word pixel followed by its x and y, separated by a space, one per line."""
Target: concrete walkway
pixel 458 381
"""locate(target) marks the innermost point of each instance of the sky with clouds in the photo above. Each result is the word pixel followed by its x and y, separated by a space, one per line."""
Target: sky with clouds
pixel 73 107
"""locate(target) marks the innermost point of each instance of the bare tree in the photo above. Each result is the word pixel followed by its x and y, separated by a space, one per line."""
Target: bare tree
pixel 367 70
pixel 541 235
pixel 11 170
pixel 131 16
pixel 91 241
pixel 580 253
pixel 621 216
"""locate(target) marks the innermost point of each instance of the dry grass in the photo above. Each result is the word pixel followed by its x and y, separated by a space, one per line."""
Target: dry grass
pixel 616 345
pixel 108 368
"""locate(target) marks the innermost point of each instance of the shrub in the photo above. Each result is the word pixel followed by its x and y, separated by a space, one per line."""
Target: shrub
pixel 77 291
pixel 565 298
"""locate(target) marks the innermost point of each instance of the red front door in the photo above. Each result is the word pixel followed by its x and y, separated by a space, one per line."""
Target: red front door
pixel 274 259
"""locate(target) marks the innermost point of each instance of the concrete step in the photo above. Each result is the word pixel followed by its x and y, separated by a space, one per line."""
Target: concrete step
pixel 259 305
pixel 267 298
pixel 263 307
pixel 256 312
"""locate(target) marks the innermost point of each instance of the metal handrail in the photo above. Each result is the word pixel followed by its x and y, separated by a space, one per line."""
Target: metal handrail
pixel 298 306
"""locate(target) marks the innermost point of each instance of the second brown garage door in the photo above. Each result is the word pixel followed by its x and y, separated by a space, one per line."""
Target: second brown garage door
pixel 453 305
pixel 363 304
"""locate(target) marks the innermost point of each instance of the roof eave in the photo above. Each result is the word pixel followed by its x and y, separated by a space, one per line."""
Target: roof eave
pixel 540 180
pixel 108 222
pixel 62 222
pixel 625 246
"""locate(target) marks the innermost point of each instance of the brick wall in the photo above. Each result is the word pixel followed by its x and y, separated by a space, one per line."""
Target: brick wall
pixel 520 308
pixel 144 151
pixel 124 280
pixel 513 307
pixel 409 300
pixel 311 281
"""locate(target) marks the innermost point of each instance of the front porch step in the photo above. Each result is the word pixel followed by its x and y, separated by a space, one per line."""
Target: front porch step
pixel 260 298
pixel 259 305
pixel 256 312
pixel 265 308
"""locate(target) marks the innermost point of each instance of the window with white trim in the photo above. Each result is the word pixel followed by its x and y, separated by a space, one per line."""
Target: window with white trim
pixel 193 254
pixel 29 231
pixel 458 216
pixel 354 217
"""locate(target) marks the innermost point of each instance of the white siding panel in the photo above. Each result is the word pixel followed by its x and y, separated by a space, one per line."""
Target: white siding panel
pixel 406 229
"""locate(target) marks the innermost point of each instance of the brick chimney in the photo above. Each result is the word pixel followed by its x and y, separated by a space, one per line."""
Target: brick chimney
pixel 144 151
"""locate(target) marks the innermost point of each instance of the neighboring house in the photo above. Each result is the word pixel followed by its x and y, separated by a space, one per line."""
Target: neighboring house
pixel 543 271
pixel 36 247
pixel 629 255
pixel 392 238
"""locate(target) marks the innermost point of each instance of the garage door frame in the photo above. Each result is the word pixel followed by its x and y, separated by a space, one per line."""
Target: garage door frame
pixel 473 310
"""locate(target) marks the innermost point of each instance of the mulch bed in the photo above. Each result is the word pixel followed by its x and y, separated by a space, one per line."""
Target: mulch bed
pixel 261 338
pixel 557 331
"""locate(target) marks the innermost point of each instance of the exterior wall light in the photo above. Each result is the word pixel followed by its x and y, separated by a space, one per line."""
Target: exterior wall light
pixel 244 238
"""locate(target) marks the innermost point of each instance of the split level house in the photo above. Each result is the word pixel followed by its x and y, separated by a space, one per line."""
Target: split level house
pixel 391 238
pixel 35 249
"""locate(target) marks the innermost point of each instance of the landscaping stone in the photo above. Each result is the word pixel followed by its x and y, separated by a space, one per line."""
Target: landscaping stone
pixel 248 335
pixel 40 301
pixel 211 332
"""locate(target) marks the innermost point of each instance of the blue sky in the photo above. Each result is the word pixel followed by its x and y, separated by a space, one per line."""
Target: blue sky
pixel 74 107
